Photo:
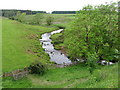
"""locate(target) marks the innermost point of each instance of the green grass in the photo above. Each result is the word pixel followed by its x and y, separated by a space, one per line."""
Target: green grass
pixel 0 51
pixel 19 43
pixel 20 48
pixel 10 83
pixel 77 77
pixel 57 18
pixel 70 77
pixel 62 18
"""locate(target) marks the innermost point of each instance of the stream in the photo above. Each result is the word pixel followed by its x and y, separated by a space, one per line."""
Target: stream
pixel 55 56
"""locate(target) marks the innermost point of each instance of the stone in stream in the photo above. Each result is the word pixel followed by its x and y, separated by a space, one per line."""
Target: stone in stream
pixel 104 62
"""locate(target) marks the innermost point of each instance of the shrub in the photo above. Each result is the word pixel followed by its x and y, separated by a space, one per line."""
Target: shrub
pixel 49 20
pixel 37 68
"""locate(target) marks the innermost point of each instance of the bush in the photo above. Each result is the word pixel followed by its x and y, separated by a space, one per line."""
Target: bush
pixel 37 68
pixel 49 20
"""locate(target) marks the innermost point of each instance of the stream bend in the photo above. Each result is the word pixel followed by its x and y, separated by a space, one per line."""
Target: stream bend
pixel 55 55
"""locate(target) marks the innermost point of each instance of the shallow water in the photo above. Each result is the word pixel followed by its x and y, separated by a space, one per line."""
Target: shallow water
pixel 55 55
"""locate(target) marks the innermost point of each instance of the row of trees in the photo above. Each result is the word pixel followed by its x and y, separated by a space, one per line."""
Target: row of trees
pixel 93 35
pixel 12 12
pixel 64 12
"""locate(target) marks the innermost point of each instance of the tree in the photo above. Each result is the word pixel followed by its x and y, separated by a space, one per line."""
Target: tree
pixel 17 16
pixel 22 17
pixel 38 18
pixel 94 31
pixel 49 20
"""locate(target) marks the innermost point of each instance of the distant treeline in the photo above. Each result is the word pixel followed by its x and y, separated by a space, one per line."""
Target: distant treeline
pixel 64 12
pixel 12 12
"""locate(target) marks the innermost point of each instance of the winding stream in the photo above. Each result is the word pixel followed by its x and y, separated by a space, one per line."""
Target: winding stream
pixel 55 55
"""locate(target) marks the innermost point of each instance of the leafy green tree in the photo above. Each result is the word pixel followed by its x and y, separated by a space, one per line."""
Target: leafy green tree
pixel 17 15
pixel 94 31
pixel 22 17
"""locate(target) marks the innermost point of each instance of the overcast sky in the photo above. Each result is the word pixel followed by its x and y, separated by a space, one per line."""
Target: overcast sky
pixel 49 5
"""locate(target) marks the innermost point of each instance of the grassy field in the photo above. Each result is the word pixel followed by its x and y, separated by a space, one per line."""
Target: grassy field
pixel 61 19
pixel 21 47
pixel 19 44
pixel 0 51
